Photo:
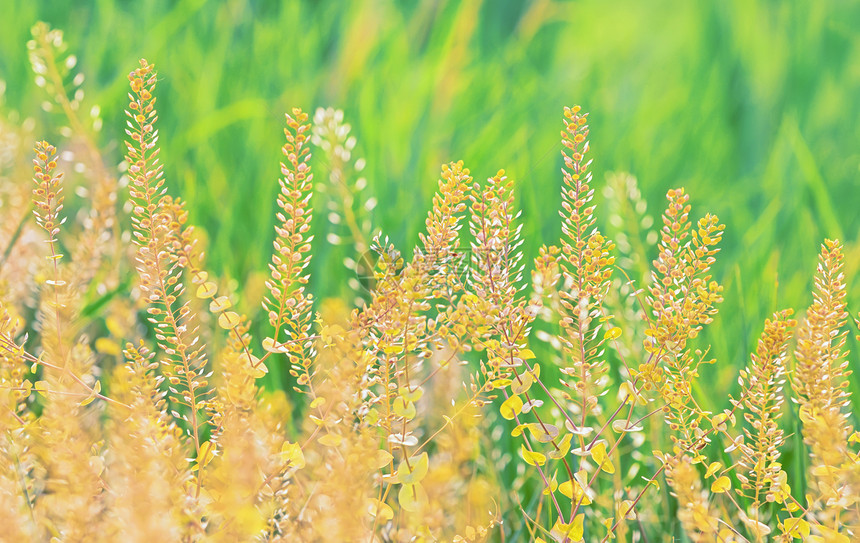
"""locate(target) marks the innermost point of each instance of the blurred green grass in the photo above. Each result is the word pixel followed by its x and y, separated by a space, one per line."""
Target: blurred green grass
pixel 751 105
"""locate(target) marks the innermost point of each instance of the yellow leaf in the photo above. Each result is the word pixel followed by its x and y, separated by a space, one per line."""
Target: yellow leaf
pixel 719 421
pixel 713 468
pixel 228 320
pixel 220 304
pixel 207 289
pixel 114 326
pixel 756 528
pixel 725 534
pixel 612 333
pixel 572 531
pixel 576 527
pixel 318 401
pixel 553 486
pixel 270 345
pixel 721 485
pixel 628 390
pixel 573 490
pixel 199 277
pixel 410 394
pixel 526 354
pixel 381 458
pixel 532 457
pixel 625 510
pixel 608 523
pixel 798 528
pixel 108 346
pixel 567 487
pixel 563 448
pixel 598 454
pixel 543 432
pixel 413 471
pixel 97 387
pixel 830 535
pixel 207 453
pixel 259 370
pixel 292 453
pixel 823 471
pixel 41 386
pixel 372 416
pixel 247 518
pixel 521 384
pixel 404 408
pixel 511 407
pixel 781 489
pixel 379 509
pixel 807 414
pixel 500 383
pixel 331 440
pixel 412 497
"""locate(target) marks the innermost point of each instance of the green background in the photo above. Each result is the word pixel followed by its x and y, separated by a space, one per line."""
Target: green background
pixel 751 105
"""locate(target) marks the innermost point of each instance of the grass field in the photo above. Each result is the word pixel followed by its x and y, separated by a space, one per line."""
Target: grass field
pixel 751 105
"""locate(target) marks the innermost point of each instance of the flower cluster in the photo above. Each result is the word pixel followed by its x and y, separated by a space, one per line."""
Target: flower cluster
pixel 178 436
